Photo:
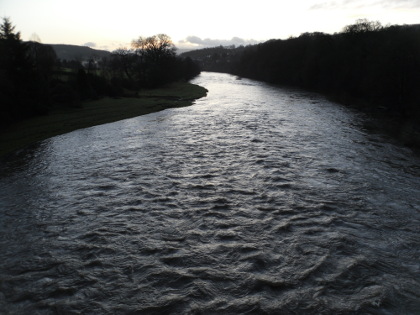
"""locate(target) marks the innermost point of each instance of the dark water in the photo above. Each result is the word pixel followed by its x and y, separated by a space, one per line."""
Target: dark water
pixel 255 200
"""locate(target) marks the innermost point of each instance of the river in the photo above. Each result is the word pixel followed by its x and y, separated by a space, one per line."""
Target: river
pixel 255 200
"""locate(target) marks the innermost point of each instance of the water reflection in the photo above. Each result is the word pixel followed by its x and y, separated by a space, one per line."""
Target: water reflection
pixel 256 199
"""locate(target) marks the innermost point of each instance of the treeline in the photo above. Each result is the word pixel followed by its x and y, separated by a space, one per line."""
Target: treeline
pixel 367 64
pixel 33 80
pixel 216 59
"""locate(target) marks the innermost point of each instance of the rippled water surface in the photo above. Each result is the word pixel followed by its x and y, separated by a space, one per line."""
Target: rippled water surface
pixel 254 200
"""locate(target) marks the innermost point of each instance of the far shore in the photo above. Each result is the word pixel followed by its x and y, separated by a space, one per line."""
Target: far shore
pixel 97 112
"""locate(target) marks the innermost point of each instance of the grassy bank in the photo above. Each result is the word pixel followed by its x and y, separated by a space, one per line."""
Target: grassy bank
pixel 97 112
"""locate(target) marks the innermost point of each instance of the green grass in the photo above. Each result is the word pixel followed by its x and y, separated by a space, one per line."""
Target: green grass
pixel 97 112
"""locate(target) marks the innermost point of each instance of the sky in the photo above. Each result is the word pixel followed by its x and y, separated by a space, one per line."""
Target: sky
pixel 103 24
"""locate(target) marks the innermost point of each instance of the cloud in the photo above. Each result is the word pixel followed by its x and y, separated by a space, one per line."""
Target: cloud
pixel 324 5
pixel 399 4
pixel 197 42
pixel 90 44
pixel 359 4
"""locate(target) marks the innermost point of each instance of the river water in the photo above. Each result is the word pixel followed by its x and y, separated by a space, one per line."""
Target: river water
pixel 255 200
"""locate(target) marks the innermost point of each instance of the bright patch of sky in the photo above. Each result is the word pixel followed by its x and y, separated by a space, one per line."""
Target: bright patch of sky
pixel 109 25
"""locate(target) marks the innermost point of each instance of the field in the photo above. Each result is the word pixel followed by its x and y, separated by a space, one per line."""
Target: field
pixel 60 121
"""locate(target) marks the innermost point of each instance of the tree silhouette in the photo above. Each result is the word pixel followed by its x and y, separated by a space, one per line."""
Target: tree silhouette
pixel 7 31
pixel 374 67
pixel 363 26
pixel 154 48
pixel 15 75
pixel 30 81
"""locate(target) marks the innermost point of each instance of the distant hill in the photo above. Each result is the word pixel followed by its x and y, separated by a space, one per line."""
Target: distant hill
pixel 74 52
pixel 82 53
pixel 217 59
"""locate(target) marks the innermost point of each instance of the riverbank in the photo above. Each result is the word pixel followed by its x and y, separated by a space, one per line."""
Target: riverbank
pixel 97 112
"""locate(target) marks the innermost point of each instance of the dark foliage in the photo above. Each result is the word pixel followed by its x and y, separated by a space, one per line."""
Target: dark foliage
pixel 25 72
pixel 215 59
pixel 367 64
pixel 33 79
pixel 151 63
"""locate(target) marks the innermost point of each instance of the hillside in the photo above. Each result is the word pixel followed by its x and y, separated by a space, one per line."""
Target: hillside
pixel 74 52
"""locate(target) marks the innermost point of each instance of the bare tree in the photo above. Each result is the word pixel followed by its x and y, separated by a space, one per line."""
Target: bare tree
pixel 362 26
pixel 154 47
pixel 35 38
pixel 124 60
